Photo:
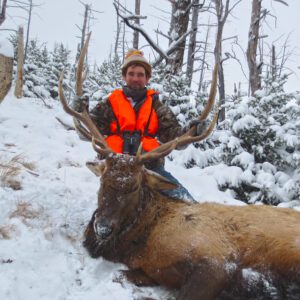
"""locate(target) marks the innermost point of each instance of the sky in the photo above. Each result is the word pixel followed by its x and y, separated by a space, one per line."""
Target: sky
pixel 55 21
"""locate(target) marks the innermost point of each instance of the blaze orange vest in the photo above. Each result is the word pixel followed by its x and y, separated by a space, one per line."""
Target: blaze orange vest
pixel 145 121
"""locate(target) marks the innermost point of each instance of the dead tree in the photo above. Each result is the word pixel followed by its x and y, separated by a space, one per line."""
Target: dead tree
pixel 87 9
pixel 166 55
pixel 20 64
pixel 253 37
pixel 178 28
pixel 255 68
pixel 118 31
pixel 6 68
pixel 135 43
pixel 30 7
pixel 222 12
pixel 193 40
pixel 88 16
pixel 3 11
pixel 203 60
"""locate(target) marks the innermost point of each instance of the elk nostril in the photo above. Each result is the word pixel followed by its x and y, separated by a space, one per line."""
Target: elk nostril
pixel 103 231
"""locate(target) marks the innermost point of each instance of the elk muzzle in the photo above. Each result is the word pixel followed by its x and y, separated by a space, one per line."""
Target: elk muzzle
pixel 103 229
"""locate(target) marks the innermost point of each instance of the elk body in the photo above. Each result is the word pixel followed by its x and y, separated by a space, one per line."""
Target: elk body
pixel 205 251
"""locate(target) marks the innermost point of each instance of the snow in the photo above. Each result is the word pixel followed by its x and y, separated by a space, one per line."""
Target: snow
pixel 6 48
pixel 42 224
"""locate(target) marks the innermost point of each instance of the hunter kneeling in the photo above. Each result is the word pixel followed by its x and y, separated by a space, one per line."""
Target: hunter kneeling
pixel 134 115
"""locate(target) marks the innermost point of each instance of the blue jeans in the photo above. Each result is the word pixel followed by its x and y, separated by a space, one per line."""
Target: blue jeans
pixel 180 192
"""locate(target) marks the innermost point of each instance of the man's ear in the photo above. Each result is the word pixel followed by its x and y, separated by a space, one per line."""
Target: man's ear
pixel 158 182
pixel 97 167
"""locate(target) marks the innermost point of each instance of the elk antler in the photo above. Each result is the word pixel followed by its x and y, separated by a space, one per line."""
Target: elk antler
pixel 190 136
pixel 91 131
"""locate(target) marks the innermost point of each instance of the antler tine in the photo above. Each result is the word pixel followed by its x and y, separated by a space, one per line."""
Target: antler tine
pixel 80 73
pixel 185 140
pixel 159 152
pixel 83 117
pixel 210 102
pixel 82 130
pixel 92 130
pixel 190 136
pixel 102 151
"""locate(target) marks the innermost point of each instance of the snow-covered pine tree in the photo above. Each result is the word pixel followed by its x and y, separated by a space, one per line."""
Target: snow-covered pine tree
pixel 105 79
pixel 34 71
pixel 265 144
pixel 174 92
pixel 59 61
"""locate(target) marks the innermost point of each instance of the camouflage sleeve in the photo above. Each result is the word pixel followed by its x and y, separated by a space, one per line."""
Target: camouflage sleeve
pixel 168 126
pixel 102 115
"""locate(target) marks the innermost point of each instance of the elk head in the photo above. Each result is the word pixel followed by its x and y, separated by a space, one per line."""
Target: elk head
pixel 126 185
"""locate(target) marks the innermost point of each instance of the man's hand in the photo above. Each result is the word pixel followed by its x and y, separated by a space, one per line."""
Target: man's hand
pixel 201 126
pixel 79 103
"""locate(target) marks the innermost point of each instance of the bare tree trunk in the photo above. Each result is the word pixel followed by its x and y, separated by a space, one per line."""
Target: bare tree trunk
pixel 83 29
pixel 200 86
pixel 222 14
pixel 28 26
pixel 118 31
pixel 178 27
pixel 137 21
pixel 6 67
pixel 3 12
pixel 123 41
pixel 273 64
pixel 19 79
pixel 253 36
pixel 192 42
pixel 171 29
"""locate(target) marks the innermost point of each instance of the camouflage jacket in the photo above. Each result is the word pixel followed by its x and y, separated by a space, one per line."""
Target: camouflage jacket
pixel 168 126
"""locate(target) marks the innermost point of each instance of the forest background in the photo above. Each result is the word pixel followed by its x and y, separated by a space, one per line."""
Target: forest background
pixel 258 130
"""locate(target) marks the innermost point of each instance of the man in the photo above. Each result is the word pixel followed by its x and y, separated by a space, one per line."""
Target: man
pixel 135 114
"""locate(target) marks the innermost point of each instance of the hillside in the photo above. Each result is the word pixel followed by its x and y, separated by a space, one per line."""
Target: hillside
pixel 47 196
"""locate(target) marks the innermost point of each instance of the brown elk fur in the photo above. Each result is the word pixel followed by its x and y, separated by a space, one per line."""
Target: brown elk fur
pixel 199 249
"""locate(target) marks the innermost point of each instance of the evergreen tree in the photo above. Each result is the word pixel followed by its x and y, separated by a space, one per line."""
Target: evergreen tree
pixel 105 79
pixel 34 71
pixel 174 92
pixel 60 57
pixel 265 144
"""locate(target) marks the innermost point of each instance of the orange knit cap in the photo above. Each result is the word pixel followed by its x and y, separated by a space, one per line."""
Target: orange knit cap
pixel 135 56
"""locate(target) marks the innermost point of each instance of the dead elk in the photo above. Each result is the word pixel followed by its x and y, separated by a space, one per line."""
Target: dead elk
pixel 205 251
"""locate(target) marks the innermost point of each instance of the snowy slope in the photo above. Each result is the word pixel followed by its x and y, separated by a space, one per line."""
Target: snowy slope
pixel 41 225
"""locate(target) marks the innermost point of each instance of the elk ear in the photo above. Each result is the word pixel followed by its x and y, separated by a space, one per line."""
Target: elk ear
pixel 158 182
pixel 97 167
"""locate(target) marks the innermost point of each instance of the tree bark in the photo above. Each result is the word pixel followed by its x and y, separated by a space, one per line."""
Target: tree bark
pixel 83 30
pixel 118 31
pixel 19 79
pixel 253 36
pixel 178 27
pixel 28 27
pixel 222 14
pixel 6 68
pixel 137 21
pixel 192 43
pixel 3 12
pixel 201 79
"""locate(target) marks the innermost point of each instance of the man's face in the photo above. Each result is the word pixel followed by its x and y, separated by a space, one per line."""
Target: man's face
pixel 136 77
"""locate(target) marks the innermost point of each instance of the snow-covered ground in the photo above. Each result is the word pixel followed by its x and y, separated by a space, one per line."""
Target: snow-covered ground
pixel 41 224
